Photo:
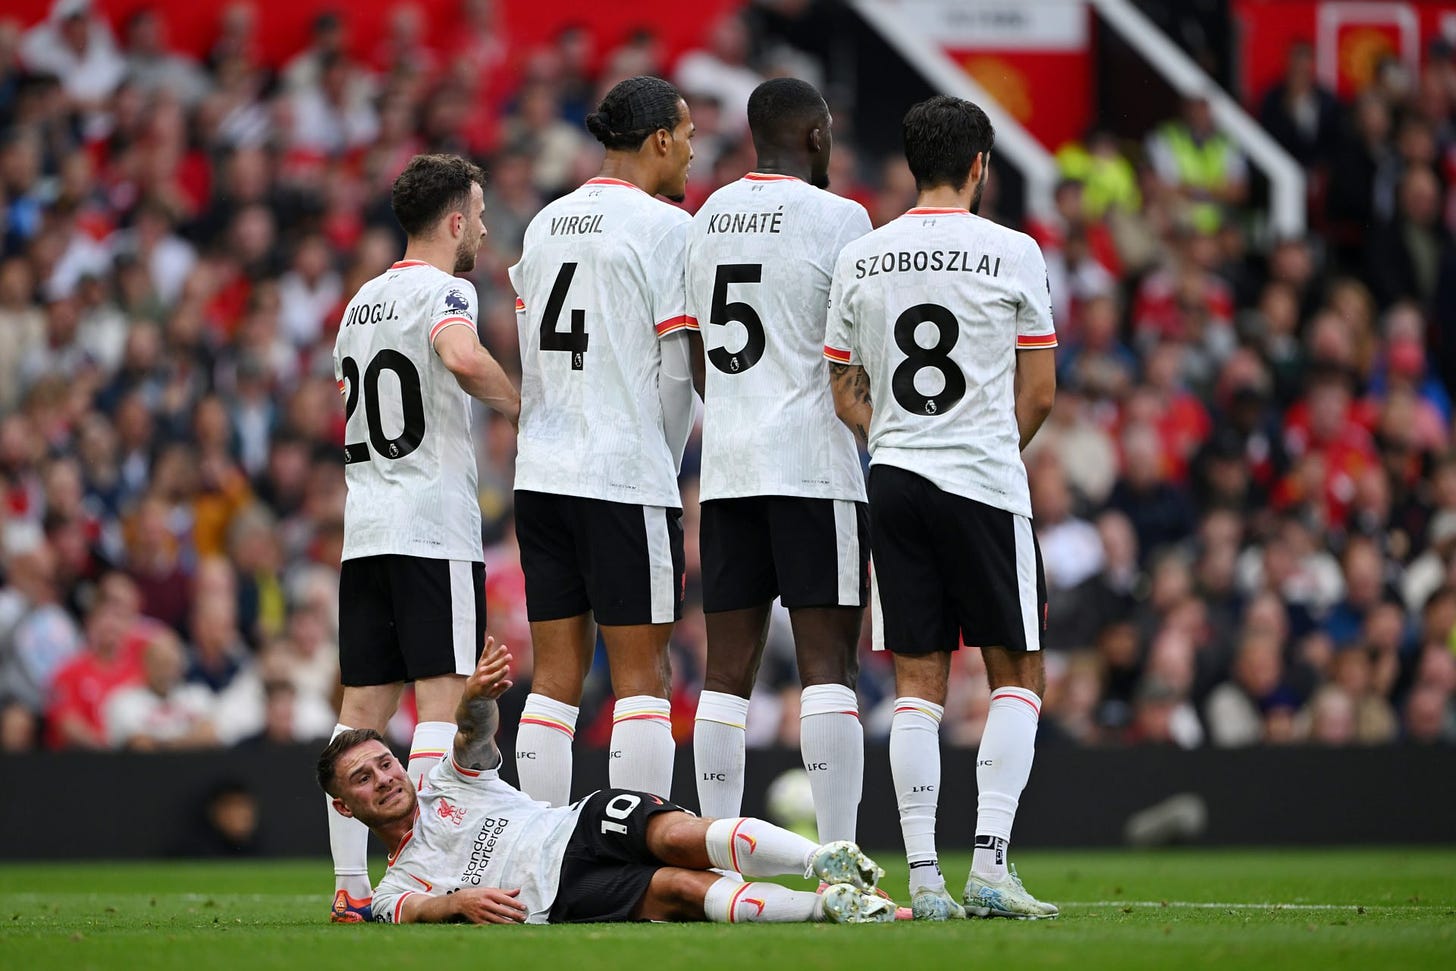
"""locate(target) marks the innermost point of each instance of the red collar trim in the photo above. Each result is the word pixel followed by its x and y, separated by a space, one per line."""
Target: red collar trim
pixel 603 180
pixel 404 263
pixel 932 211
pixel 762 177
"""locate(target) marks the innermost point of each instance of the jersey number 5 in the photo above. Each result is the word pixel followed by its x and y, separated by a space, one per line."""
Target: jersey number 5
pixel 724 311
pixel 936 357
pixel 410 402
pixel 573 340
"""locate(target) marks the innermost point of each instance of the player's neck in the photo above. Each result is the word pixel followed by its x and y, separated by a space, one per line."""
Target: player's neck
pixel 439 255
pixel 392 834
pixel 782 165
pixel 944 197
pixel 629 168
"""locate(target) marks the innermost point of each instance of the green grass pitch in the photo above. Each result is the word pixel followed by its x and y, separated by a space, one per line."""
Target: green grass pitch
pixel 1291 910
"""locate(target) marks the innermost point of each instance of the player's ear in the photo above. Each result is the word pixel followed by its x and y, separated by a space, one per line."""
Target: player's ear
pixel 342 809
pixel 816 140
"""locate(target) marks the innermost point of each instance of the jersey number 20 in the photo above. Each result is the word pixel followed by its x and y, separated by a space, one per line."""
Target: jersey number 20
pixel 936 357
pixel 410 402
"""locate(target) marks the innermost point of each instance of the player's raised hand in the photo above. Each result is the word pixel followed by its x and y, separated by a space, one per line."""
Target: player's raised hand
pixel 489 905
pixel 491 678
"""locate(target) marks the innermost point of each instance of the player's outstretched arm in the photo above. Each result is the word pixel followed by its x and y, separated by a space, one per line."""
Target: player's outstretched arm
pixel 477 372
pixel 852 402
pixel 1036 389
pixel 478 716
pixel 478 905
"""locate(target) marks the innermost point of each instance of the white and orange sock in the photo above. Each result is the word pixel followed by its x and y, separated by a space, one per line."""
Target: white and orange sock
pixel 642 746
pixel 431 742
pixel 719 743
pixel 349 845
pixel 543 749
pixel 731 902
pixel 832 743
pixel 915 768
pixel 758 848
pixel 1003 765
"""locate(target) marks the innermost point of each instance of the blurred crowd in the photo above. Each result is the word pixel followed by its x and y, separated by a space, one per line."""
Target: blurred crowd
pixel 1245 497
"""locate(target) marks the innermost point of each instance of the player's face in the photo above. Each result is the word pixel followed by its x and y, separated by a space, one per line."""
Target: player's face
pixel 373 785
pixel 473 233
pixel 680 156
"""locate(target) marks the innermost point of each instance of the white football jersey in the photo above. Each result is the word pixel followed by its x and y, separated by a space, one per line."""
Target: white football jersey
pixel 599 281
pixel 409 460
pixel 473 830
pixel 934 306
pixel 761 253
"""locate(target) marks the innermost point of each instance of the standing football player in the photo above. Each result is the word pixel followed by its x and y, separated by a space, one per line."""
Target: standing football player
pixel 606 410
pixel 783 495
pixel 411 586
pixel 940 345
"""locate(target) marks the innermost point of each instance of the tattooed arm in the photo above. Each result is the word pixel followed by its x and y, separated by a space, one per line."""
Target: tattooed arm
pixel 852 403
pixel 477 718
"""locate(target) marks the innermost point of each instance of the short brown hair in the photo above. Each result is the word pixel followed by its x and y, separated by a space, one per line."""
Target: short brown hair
pixel 429 187
pixel 329 758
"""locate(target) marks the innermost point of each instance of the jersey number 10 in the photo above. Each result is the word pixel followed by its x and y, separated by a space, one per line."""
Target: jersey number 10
pixel 411 404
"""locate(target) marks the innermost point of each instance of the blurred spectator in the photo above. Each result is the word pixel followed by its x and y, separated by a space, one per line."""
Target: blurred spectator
pixel 163 712
pixel 75 45
pixel 84 685
pixel 1407 252
pixel 153 67
pixel 721 70
pixel 1071 549
pixel 1235 709
pixel 1161 512
pixel 1201 168
pixel 1300 113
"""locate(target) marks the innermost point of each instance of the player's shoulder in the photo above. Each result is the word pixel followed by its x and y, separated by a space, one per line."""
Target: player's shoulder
pixel 1013 239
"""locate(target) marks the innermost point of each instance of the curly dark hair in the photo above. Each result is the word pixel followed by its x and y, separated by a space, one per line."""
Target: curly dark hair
pixel 943 136
pixel 633 110
pixel 429 187
pixel 328 759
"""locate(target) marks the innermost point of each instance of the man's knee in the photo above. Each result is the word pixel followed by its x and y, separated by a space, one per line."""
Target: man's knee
pixel 1015 669
pixel 675 894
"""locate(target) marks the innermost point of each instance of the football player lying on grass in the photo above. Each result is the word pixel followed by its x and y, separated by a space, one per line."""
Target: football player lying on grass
pixel 470 847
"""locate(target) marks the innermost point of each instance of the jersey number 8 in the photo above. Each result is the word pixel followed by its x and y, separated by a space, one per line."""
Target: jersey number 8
pixel 936 357
pixel 410 402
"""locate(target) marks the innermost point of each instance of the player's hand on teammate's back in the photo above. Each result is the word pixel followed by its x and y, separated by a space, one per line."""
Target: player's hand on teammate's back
pixel 491 678
pixel 489 905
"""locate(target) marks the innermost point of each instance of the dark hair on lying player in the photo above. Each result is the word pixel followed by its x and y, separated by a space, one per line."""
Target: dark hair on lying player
pixel 943 136
pixel 781 108
pixel 633 110
pixel 328 759
pixel 429 187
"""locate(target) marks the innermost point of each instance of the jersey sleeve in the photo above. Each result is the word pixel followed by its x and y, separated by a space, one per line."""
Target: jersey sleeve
pixel 1034 330
pixel 389 897
pixel 667 276
pixel 455 304
pixel 839 324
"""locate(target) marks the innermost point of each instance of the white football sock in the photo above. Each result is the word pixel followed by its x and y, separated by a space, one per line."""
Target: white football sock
pixel 719 741
pixel 832 743
pixel 642 745
pixel 543 749
pixel 432 741
pixel 732 902
pixel 349 845
pixel 915 767
pixel 1003 765
pixel 757 848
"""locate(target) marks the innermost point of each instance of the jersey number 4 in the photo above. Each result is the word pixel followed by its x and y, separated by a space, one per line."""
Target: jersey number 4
pixel 573 340
pixel 935 357
pixel 411 404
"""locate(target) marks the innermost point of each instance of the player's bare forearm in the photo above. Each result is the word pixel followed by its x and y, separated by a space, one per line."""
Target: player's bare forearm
pixel 483 905
pixel 852 401
pixel 477 372
pixel 478 716
pixel 1036 390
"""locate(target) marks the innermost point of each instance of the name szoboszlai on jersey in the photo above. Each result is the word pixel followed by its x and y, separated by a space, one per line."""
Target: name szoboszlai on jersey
pixel 934 306
pixel 761 254
pixel 599 281
pixel 409 461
